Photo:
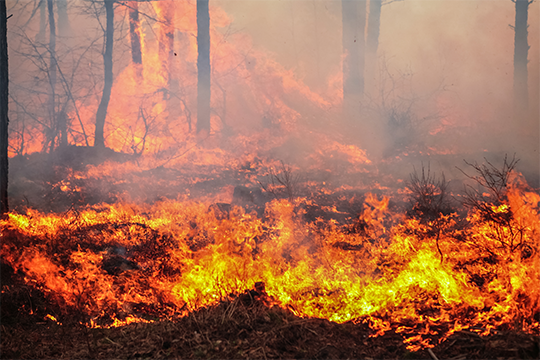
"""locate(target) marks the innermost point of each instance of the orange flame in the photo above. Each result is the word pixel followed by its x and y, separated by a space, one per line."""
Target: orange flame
pixel 181 255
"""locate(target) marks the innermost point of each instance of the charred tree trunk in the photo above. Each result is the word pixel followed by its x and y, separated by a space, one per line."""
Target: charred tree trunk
pixel 53 134
pixel 372 40
pixel 4 78
pixel 135 36
pixel 101 113
pixel 203 67
pixel 353 22
pixel 63 18
pixel 521 51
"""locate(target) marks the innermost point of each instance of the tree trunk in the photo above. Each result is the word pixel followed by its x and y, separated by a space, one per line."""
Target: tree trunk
pixel 63 19
pixel 166 40
pixel 101 113
pixel 372 41
pixel 135 32
pixel 40 37
pixel 52 78
pixel 62 119
pixel 353 22
pixel 203 67
pixel 4 78
pixel 521 50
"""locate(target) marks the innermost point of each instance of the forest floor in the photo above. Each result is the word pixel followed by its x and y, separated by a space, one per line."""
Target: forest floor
pixel 240 328
pixel 246 326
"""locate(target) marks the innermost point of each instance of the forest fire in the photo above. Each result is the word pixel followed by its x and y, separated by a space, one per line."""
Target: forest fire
pixel 417 274
pixel 199 172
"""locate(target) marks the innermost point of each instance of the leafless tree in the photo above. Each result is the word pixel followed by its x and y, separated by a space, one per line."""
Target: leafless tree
pixel 101 114
pixel 283 181
pixel 203 67
pixel 353 24
pixel 135 35
pixel 372 38
pixel 521 50
pixel 490 201
pixel 4 100
pixel 429 201
pixel 50 71
pixel 52 78
pixel 63 19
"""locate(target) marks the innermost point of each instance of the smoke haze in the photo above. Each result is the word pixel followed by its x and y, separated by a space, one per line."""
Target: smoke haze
pixel 442 83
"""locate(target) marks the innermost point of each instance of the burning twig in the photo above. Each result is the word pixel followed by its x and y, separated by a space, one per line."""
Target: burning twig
pixel 428 195
pixel 491 178
pixel 284 180
pixel 429 201
pixel 491 202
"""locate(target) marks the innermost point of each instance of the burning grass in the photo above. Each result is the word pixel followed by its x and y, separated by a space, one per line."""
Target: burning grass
pixel 382 272
pixel 247 327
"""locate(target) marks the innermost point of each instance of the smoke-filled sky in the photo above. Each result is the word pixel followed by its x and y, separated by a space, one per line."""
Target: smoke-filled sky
pixel 468 44
pixel 453 57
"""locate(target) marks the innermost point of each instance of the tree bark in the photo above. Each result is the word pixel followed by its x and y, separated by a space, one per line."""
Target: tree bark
pixel 374 25
pixel 4 121
pixel 521 51
pixel 353 23
pixel 203 67
pixel 166 40
pixel 40 37
pixel 55 127
pixel 372 41
pixel 62 119
pixel 101 113
pixel 135 32
pixel 63 18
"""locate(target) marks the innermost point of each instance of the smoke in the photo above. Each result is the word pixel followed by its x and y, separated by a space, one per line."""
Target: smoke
pixel 441 90
pixel 445 71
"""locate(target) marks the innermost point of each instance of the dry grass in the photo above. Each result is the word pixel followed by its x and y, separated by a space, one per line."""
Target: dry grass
pixel 245 327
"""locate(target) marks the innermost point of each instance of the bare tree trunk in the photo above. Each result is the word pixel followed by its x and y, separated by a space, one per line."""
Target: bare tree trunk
pixel 62 127
pixel 101 113
pixel 317 42
pixel 353 22
pixel 374 25
pixel 40 37
pixel 63 19
pixel 372 41
pixel 203 67
pixel 135 32
pixel 166 39
pixel 521 50
pixel 52 77
pixel 4 121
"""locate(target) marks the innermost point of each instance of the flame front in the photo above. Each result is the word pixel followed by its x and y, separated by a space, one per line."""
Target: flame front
pixel 182 255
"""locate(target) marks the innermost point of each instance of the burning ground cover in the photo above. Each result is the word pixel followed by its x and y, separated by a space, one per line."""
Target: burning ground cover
pixel 401 265
pixel 246 328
